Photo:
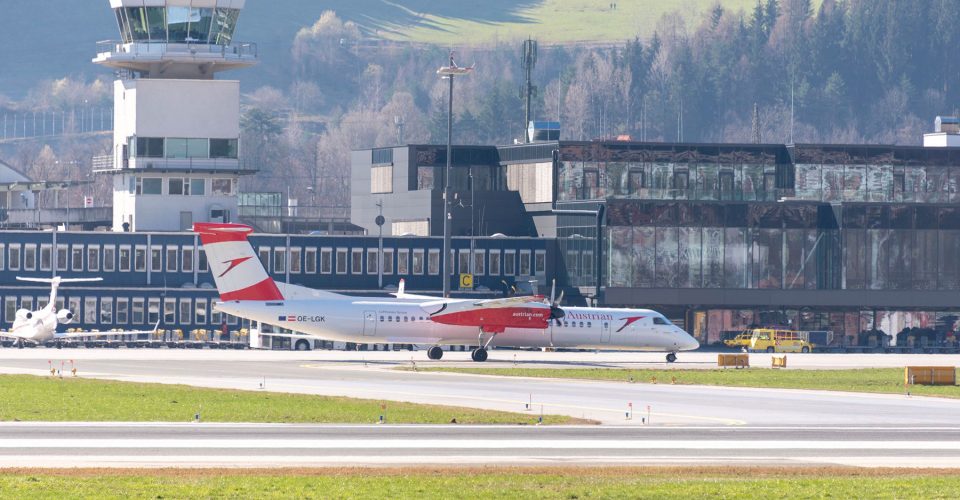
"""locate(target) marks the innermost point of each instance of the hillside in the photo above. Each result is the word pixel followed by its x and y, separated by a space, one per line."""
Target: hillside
pixel 44 40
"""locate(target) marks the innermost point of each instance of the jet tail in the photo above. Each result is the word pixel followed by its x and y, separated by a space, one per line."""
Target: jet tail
pixel 237 271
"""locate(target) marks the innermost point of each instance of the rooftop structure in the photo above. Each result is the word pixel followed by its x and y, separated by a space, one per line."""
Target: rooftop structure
pixel 176 128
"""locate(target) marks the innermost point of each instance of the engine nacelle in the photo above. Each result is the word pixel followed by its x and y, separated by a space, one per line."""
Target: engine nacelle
pixel 24 314
pixel 64 316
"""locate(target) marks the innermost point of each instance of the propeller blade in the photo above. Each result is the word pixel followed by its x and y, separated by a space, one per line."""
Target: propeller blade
pixel 553 292
pixel 560 299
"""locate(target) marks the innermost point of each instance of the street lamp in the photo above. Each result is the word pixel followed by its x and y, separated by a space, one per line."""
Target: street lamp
pixel 449 72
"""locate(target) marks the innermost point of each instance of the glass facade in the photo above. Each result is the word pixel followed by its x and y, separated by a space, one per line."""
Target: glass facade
pixel 214 26
pixel 674 172
pixel 873 174
pixel 821 227
pixel 714 245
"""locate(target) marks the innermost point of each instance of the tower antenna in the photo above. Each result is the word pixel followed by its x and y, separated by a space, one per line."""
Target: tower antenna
pixel 529 61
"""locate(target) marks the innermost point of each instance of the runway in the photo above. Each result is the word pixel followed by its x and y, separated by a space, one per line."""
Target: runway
pixel 265 445
pixel 374 376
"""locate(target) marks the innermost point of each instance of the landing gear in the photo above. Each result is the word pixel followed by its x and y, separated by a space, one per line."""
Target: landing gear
pixel 19 343
pixel 671 357
pixel 59 345
pixel 479 355
pixel 435 352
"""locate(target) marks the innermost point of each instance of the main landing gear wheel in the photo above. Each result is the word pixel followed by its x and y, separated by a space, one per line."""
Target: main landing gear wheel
pixel 435 352
pixel 671 357
pixel 479 355
pixel 19 343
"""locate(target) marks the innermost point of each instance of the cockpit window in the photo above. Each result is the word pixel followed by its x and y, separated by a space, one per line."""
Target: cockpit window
pixel 660 321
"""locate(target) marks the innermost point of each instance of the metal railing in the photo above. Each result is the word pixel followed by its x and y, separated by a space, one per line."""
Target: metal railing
pixel 102 162
pixel 29 217
pixel 105 163
pixel 239 50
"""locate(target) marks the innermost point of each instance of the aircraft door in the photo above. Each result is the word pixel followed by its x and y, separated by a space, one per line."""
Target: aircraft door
pixel 369 323
pixel 605 332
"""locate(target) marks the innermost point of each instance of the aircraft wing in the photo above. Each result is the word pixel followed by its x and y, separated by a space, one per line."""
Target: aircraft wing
pixel 510 301
pixel 105 334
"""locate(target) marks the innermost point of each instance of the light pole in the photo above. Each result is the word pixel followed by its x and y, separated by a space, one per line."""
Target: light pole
pixel 448 72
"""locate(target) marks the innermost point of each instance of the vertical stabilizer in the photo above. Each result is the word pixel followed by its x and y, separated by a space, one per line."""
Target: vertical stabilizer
pixel 235 266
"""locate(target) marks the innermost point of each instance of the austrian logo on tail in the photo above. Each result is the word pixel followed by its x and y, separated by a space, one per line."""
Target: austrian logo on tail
pixel 233 263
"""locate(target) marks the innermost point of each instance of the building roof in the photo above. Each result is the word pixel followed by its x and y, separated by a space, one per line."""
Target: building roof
pixel 9 175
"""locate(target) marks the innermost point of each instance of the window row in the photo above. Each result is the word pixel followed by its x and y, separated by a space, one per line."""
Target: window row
pixel 159 147
pixel 121 311
pixel 213 26
pixel 182 186
pixel 105 258
pixel 402 261
pixel 187 259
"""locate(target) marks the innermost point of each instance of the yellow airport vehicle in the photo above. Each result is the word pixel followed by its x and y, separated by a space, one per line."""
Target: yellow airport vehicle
pixel 771 340
pixel 741 340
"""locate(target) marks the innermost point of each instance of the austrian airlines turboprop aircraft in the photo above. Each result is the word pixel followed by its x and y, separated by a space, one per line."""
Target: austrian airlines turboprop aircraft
pixel 248 292
pixel 38 327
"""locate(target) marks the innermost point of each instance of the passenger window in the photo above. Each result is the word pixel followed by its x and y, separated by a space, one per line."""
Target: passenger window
pixel 381 319
pixel 589 324
pixel 581 324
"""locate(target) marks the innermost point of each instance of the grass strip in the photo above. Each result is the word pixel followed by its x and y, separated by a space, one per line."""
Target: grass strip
pixel 443 483
pixel 876 380
pixel 30 398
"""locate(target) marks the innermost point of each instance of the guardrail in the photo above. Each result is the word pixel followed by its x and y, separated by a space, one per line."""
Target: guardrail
pixel 239 50
pixel 106 164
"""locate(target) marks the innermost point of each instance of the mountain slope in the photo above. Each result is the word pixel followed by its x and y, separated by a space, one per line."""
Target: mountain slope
pixel 43 40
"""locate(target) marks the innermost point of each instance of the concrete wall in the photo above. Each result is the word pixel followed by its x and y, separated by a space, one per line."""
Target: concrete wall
pixel 171 109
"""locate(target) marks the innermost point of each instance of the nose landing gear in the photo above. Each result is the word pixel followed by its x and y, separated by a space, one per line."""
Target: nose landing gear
pixel 671 357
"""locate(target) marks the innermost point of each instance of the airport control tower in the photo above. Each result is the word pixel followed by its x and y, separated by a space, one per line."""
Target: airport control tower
pixel 176 139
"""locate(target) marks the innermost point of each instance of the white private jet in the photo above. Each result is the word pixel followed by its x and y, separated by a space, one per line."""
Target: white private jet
pixel 247 291
pixel 39 327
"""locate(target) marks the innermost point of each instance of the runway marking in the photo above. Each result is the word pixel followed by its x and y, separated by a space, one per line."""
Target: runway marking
pixel 477 444
pixel 619 411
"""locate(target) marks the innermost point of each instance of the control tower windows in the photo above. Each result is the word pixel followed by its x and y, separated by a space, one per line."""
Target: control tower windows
pixel 149 147
pixel 137 19
pixel 177 25
pixel 199 30
pixel 157 23
pixel 224 22
pixel 191 25
pixel 223 148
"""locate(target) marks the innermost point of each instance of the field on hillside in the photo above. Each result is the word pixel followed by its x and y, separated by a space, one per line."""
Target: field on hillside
pixel 549 21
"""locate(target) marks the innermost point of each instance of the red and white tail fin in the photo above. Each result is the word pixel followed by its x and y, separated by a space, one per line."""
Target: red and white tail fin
pixel 235 266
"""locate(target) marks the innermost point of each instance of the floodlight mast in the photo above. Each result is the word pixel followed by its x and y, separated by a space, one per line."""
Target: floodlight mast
pixel 449 72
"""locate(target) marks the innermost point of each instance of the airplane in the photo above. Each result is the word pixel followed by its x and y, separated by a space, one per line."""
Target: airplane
pixel 247 291
pixel 39 327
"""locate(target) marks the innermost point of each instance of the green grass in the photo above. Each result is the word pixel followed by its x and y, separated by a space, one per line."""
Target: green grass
pixel 29 398
pixel 483 483
pixel 881 380
pixel 564 21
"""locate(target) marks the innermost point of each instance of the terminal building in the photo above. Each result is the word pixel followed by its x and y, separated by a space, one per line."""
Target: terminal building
pixel 856 239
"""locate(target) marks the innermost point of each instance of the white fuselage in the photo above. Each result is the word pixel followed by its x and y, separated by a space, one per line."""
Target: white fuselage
pixel 383 320
pixel 41 327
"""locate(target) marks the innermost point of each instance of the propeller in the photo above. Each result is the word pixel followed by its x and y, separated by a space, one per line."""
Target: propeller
pixel 511 289
pixel 556 313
